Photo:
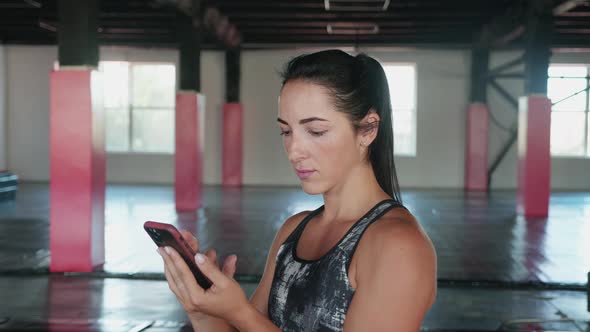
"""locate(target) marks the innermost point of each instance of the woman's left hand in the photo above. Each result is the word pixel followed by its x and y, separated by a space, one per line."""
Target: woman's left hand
pixel 225 299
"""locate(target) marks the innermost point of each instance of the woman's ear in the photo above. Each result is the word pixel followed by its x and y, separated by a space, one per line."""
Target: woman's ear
pixel 369 127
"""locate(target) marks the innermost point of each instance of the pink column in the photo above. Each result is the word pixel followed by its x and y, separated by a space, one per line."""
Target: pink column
pixel 188 157
pixel 534 155
pixel 232 144
pixel 476 152
pixel 77 171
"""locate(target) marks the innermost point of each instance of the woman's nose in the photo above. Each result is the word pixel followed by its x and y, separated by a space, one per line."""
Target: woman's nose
pixel 295 151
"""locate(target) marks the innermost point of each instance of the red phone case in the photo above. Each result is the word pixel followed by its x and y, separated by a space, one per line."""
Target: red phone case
pixel 167 235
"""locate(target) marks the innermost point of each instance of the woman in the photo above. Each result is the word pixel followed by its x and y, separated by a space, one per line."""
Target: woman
pixel 361 262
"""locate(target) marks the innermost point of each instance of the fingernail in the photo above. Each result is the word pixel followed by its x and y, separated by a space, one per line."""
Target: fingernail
pixel 167 250
pixel 200 258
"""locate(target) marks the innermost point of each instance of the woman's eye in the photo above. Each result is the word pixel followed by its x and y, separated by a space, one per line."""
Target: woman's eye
pixel 285 132
pixel 317 133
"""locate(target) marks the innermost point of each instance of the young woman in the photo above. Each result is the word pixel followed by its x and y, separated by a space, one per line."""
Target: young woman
pixel 361 262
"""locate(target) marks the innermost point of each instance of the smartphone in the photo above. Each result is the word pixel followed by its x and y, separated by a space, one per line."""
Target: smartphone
pixel 166 235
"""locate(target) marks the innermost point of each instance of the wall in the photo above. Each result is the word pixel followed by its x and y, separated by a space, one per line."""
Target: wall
pixel 28 110
pixel 566 172
pixel 159 168
pixel 3 112
pixel 442 91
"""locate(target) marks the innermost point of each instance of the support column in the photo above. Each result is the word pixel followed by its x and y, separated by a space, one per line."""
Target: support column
pixel 477 137
pixel 188 158
pixel 3 112
pixel 233 110
pixel 476 155
pixel 534 160
pixel 534 127
pixel 76 138
pixel 190 110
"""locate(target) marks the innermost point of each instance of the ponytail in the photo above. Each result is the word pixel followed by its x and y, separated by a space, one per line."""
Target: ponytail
pixel 373 84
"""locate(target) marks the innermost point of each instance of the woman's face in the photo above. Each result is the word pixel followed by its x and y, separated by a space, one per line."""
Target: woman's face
pixel 320 141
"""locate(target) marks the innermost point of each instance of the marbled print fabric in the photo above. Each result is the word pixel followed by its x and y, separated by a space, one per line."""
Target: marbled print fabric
pixel 315 295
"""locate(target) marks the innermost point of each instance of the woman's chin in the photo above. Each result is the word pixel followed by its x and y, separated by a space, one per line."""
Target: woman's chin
pixel 311 188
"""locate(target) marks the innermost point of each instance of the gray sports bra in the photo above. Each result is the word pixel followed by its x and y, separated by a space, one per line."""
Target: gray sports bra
pixel 315 295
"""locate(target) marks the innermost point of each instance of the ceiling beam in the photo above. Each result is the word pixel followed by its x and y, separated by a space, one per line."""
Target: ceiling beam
pixel 566 6
pixel 576 14
pixel 352 30
pixel 209 18
pixel 354 16
pixel 505 28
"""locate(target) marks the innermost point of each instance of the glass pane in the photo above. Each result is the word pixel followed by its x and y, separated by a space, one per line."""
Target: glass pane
pixel 115 83
pixel 117 129
pixel 588 136
pixel 404 132
pixel 402 85
pixel 567 71
pixel 559 88
pixel 154 85
pixel 153 130
pixel 567 133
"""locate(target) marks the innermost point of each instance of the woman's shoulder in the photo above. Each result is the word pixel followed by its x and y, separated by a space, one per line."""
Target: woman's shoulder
pixel 289 225
pixel 397 233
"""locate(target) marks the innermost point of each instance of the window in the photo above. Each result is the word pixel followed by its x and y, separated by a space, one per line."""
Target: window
pixel 139 103
pixel 567 87
pixel 402 89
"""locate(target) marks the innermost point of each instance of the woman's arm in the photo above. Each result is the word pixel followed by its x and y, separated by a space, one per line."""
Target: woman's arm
pixel 211 324
pixel 254 317
pixel 224 304
pixel 395 278
pixel 260 297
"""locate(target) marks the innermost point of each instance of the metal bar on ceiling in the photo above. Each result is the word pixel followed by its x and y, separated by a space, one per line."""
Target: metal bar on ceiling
pixel 507 65
pixel 567 6
pixel 507 96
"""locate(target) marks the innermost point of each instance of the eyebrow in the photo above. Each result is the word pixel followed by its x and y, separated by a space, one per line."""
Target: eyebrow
pixel 303 121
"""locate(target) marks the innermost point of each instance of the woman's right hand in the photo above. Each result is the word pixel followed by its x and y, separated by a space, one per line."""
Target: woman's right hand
pixel 229 269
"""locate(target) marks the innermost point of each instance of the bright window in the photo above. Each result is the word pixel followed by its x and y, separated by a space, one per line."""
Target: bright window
pixel 401 79
pixel 139 101
pixel 567 87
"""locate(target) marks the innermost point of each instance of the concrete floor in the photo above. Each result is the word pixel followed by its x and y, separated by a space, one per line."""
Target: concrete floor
pixel 495 268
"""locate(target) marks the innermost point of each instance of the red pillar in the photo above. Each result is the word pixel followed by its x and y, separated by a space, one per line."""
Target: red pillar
pixel 232 144
pixel 534 155
pixel 476 152
pixel 77 171
pixel 188 157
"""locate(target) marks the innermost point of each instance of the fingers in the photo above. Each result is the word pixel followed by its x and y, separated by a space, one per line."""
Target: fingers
pixel 172 283
pixel 212 255
pixel 191 240
pixel 182 275
pixel 170 270
pixel 211 271
pixel 229 266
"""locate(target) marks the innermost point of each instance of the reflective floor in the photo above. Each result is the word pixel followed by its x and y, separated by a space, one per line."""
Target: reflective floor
pixel 479 240
pixel 477 237
pixel 60 303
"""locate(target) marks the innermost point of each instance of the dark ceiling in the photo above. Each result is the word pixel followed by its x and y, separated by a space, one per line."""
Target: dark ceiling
pixel 283 23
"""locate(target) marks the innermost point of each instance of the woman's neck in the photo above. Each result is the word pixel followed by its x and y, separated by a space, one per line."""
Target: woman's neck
pixel 352 198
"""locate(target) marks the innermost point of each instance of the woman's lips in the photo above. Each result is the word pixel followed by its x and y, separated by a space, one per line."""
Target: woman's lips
pixel 304 173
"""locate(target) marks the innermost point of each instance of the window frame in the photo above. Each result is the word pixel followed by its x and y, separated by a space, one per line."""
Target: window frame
pixel 586 111
pixel 414 110
pixel 131 108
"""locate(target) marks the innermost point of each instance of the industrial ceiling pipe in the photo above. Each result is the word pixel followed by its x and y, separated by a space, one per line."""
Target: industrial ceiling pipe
pixel 226 32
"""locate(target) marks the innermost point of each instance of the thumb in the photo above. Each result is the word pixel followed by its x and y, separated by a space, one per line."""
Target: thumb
pixel 229 266
pixel 210 270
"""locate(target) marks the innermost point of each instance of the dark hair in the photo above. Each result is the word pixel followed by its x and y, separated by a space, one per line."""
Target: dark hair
pixel 358 85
